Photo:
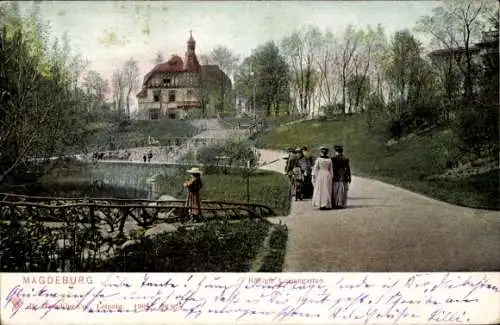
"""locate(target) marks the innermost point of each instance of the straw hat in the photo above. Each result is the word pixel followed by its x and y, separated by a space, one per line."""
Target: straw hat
pixel 194 170
pixel 322 148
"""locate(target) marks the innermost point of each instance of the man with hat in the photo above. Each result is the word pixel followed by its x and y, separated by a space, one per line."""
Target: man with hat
pixel 306 162
pixel 341 178
pixel 194 185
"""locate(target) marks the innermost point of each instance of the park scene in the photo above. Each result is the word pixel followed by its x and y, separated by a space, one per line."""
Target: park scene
pixel 198 137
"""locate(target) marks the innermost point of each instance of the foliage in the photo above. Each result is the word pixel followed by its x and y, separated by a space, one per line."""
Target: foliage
pixel 267 188
pixel 264 76
pixel 239 152
pixel 458 24
pixel 34 122
pixel 215 246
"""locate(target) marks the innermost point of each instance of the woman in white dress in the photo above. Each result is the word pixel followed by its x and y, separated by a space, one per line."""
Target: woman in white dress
pixel 322 177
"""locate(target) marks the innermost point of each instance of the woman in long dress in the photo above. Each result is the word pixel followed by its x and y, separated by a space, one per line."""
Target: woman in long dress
pixel 194 185
pixel 322 176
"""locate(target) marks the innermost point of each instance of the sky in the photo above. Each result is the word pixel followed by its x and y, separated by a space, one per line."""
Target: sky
pixel 107 33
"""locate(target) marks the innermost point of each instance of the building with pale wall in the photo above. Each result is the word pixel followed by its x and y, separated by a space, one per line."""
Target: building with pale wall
pixel 184 88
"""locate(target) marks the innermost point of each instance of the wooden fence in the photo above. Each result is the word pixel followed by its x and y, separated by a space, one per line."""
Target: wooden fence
pixel 51 234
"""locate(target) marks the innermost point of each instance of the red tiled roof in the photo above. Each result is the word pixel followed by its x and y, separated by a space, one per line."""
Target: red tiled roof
pixel 175 64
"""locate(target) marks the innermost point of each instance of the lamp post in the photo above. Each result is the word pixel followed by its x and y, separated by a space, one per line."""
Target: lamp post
pixel 248 181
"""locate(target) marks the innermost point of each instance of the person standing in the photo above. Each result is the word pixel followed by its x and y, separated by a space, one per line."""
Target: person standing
pixel 298 175
pixel 291 163
pixel 341 178
pixel 194 185
pixel 322 176
pixel 306 163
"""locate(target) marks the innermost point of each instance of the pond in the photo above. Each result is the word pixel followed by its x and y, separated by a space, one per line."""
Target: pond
pixel 103 179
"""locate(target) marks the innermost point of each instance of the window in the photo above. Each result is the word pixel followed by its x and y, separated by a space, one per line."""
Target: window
pixel 156 95
pixel 171 96
pixel 166 81
pixel 190 93
pixel 154 114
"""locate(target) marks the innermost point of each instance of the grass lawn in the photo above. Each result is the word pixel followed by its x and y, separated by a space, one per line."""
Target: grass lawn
pixel 137 132
pixel 406 164
pixel 267 188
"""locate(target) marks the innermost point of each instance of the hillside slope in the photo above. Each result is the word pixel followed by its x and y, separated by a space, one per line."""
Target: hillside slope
pixel 411 163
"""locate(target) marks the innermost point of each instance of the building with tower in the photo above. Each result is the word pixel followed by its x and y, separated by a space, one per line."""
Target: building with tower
pixel 181 88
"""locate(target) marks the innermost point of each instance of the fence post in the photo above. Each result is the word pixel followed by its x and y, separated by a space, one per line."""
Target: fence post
pixel 153 188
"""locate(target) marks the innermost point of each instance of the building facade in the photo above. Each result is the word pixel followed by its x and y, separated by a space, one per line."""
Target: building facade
pixel 181 89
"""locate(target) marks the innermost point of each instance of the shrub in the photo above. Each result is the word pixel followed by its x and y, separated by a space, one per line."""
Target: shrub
pixel 239 152
pixel 478 130
pixel 275 257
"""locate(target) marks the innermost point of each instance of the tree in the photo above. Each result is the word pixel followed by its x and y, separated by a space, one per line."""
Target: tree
pixel 266 73
pixel 118 89
pixel 227 62
pixel 299 53
pixel 95 85
pixel 96 89
pixel 131 74
pixel 456 25
pixel 40 112
pixel 224 58
pixel 159 58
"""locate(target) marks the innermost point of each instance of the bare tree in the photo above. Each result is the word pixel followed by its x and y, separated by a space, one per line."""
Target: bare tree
pixel 159 58
pixel 299 53
pixel 225 59
pixel 455 25
pixel 118 89
pixel 96 88
pixel 131 73
pixel 204 59
pixel 349 46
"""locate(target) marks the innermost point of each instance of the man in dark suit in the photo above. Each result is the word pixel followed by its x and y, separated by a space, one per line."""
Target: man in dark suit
pixel 341 178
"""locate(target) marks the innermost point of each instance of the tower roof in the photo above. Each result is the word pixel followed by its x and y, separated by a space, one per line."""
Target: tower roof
pixel 191 63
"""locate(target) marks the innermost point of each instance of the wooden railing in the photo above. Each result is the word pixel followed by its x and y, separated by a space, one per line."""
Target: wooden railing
pixel 111 215
pixel 48 234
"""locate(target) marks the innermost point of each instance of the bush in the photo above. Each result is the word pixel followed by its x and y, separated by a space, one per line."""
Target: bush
pixel 478 130
pixel 239 152
pixel 215 246
pixel 275 257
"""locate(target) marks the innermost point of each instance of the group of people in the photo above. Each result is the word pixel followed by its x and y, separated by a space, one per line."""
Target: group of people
pixel 324 179
pixel 299 170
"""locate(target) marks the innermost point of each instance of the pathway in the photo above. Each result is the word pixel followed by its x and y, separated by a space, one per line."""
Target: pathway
pixel 388 229
pixel 213 130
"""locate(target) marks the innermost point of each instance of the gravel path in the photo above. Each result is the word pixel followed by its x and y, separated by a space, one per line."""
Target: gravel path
pixel 388 229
